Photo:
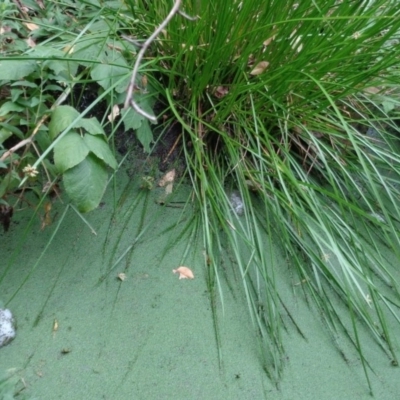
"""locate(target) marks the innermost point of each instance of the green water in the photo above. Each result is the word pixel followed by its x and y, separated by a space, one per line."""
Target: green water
pixel 84 334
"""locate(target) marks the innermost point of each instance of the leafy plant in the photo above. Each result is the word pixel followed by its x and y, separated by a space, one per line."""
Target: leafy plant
pixel 47 61
pixel 288 105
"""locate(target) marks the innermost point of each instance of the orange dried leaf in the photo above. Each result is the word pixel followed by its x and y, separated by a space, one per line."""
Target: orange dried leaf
pixel 184 272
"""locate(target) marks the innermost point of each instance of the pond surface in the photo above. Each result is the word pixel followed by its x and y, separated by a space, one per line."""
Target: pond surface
pixel 84 333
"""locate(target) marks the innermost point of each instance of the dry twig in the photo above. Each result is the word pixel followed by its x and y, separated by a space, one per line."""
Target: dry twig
pixel 130 101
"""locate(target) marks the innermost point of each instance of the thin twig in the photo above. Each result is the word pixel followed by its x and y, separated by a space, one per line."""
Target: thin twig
pixel 129 101
pixel 29 140
pixel 172 148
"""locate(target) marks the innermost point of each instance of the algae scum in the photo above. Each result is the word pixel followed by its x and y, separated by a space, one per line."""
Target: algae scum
pixel 83 332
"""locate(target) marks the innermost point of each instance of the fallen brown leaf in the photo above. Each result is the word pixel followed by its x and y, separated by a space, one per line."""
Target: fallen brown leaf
pixel 259 68
pixel 184 272
pixel 31 26
pixel 169 177
pixel 114 113
pixel 221 91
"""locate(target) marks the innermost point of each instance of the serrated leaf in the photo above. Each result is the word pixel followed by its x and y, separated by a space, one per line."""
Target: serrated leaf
pixel 145 135
pixel 11 70
pixel 91 48
pixel 86 182
pixel 388 105
pixel 70 151
pixel 91 125
pixel 61 118
pixel 101 149
pixel 131 119
pixel 110 72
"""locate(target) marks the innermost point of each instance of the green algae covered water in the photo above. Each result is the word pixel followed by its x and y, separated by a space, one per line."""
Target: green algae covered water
pixel 85 333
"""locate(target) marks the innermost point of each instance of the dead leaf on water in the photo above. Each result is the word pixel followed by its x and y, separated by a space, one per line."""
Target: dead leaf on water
pixel 55 325
pixel 121 276
pixel 184 272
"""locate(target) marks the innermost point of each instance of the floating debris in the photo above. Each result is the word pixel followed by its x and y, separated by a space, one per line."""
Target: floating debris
pixel 184 272
pixel 121 276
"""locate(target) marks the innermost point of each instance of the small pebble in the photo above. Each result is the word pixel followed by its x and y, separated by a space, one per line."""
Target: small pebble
pixel 7 329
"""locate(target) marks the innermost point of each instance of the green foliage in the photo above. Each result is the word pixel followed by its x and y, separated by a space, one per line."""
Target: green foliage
pixel 48 59
pixel 290 104
pixel 279 101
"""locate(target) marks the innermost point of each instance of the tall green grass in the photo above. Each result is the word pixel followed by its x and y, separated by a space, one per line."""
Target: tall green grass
pixel 287 103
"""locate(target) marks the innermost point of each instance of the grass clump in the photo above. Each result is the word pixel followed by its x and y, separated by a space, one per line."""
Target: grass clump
pixel 292 106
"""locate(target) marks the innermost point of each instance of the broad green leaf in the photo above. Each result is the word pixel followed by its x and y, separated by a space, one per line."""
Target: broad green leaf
pixel 11 70
pixel 16 94
pixel 388 106
pixel 110 72
pixel 24 83
pixel 70 151
pixel 43 139
pixel 91 48
pixel 101 149
pixel 101 25
pixel 8 107
pixel 145 135
pixel 4 135
pixel 132 120
pixel 85 183
pixel 91 125
pixel 52 58
pixel 61 118
pixel 16 131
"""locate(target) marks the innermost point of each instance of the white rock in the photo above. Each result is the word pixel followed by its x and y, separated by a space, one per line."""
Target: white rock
pixel 7 329
pixel 237 202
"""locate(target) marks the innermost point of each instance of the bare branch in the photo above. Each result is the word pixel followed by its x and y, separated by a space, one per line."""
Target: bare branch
pixel 29 140
pixel 129 100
